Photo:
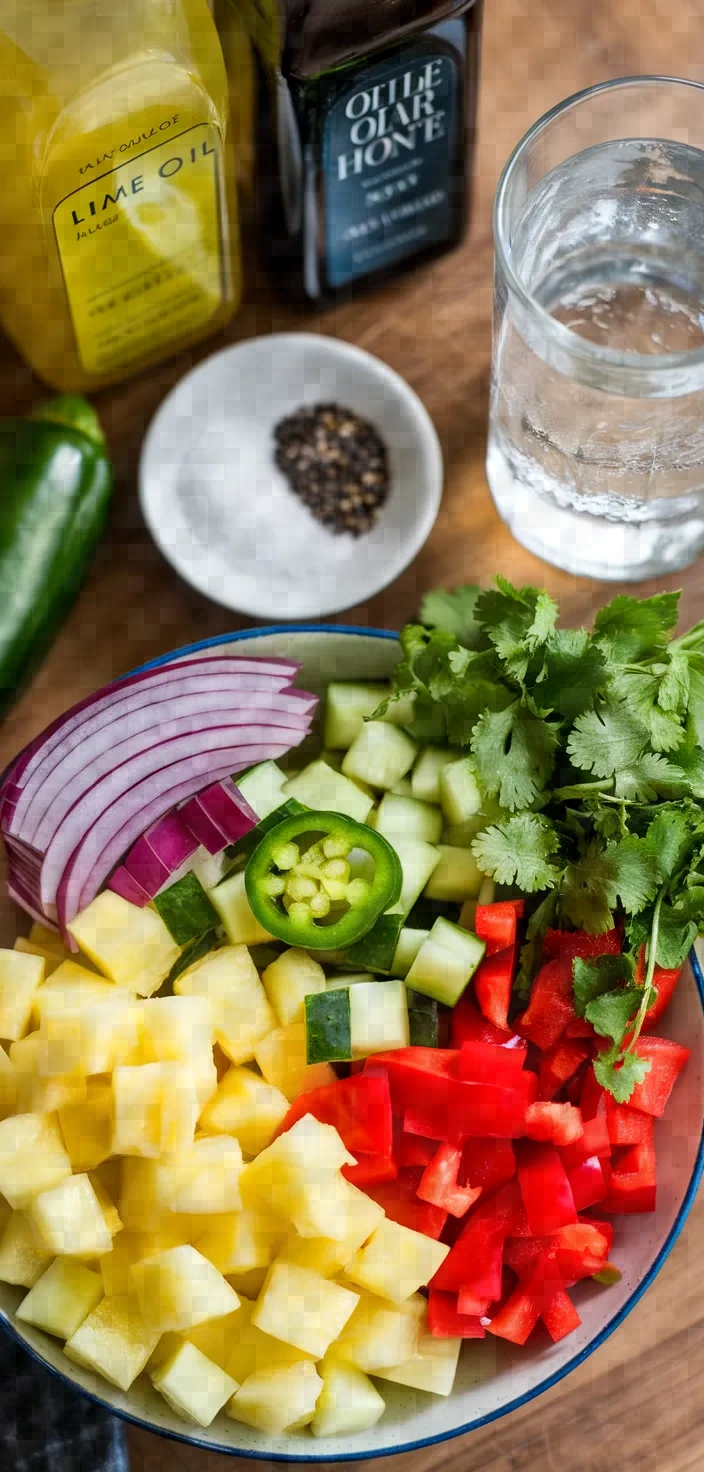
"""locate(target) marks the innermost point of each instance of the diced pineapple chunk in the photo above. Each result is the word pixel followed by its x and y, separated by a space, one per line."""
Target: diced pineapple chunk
pixel 23 1257
pixel 247 1350
pixel 52 955
pixel 179 1288
pixel 70 1221
pixel 246 1106
pixel 131 946
pixel 248 1285
pixel 138 1205
pixel 241 925
pixel 35 1093
pixel 20 975
pixel 203 1180
pixel 193 1386
pixel 302 1308
pixel 358 1216
pixel 32 1157
pixel 379 1333
pixel 8 1085
pixel 92 1039
pixel 282 1059
pixel 297 1178
pixel 348 1401
pixel 115 1265
pixel 240 1008
pixel 70 989
pixel 433 1366
pixel 396 1261
pixel 115 1341
pixel 215 1338
pixel 289 980
pixel 62 1298
pixel 155 1109
pixel 181 1030
pixel 275 1400
pixel 87 1125
pixel 113 1220
pixel 239 1241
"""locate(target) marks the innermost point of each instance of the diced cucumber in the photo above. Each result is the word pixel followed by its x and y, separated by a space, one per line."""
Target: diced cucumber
pixel 405 817
pixel 209 869
pixel 402 712
pixel 460 797
pixel 236 914
pixel 347 978
pixel 261 787
pixel 425 777
pixel 381 755
pixel 422 1020
pixel 407 948
pixel 446 962
pixel 468 913
pixel 346 707
pixel 318 786
pixel 375 951
pixel 403 788
pixel 456 876
pixel 328 1031
pixel 186 910
pixel 418 860
pixel 378 1017
pixel 246 845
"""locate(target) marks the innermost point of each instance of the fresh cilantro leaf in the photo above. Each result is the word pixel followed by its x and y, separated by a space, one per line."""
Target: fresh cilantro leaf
pixel 542 918
pixel 635 629
pixel 517 621
pixel 644 778
pixel 593 886
pixel 676 936
pixel 668 838
pixel 606 741
pixel 611 1013
pixel 518 851
pixel 695 704
pixel 688 772
pixel 515 755
pixel 592 978
pixel 574 669
pixel 638 692
pixel 620 1078
pixel 455 613
pixel 673 694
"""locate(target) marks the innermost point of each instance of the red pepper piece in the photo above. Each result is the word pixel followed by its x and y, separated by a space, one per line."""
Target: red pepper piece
pixel 571 943
pixel 488 1063
pixel 559 1064
pixel 665 981
pixel 587 1183
pixel 475 1258
pixel 414 1071
pixel 497 923
pixel 581 1249
pixel 399 1199
pixel 493 982
pixel 414 1150
pixel 667 1060
pixel 488 1163
pixel 560 1316
pixel 580 1028
pixel 551 1005
pixel 522 1253
pixel 439 1182
pixel 606 1229
pixel 627 1126
pixel 633 1183
pixel 468 1302
pixel 594 1140
pixel 446 1322
pixel 545 1188
pixel 460 1108
pixel 559 1123
pixel 468 1025
pixel 371 1168
pixel 517 1317
pixel 359 1107
pixel 593 1099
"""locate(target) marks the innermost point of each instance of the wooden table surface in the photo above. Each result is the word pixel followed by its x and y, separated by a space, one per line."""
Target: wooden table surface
pixel 637 1403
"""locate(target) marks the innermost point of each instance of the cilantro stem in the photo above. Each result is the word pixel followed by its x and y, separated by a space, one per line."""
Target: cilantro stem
pixel 650 972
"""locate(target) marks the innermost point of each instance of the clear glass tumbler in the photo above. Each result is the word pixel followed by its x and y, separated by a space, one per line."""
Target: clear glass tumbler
pixel 596 436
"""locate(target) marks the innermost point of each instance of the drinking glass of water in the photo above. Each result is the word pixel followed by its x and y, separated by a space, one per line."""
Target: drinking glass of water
pixel 596 439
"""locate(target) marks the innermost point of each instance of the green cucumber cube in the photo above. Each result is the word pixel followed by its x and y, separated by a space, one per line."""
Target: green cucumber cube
pixel 423 1022
pixel 192 953
pixel 375 951
pixel 460 797
pixel 378 1017
pixel 405 817
pixel 328 1034
pixel 346 708
pixel 347 978
pixel 380 755
pixel 237 916
pixel 425 777
pixel 318 786
pixel 418 860
pixel 456 876
pixel 261 787
pixel 186 910
pixel 402 712
pixel 407 948
pixel 446 962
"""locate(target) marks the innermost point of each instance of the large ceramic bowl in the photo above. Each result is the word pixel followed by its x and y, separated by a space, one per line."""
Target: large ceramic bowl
pixel 493 1378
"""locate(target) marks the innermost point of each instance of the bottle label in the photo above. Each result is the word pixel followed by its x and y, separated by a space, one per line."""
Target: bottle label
pixel 389 150
pixel 143 251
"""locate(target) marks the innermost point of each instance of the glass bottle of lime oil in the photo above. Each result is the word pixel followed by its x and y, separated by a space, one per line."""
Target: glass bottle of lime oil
pixel 118 218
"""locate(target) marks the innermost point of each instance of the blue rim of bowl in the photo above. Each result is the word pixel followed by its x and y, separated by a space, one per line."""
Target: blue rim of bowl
pixel 479 1421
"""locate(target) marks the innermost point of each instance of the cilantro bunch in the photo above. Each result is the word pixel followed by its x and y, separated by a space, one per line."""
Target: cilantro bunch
pixel 588 749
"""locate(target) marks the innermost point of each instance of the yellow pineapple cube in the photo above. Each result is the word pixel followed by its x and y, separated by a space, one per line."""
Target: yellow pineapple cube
pixel 282 1059
pixel 69 1219
pixel 348 1402
pixel 396 1261
pixel 20 975
pixel 216 1337
pixel 297 1177
pixel 380 1333
pixel 155 1109
pixel 70 988
pixel 115 1265
pixel 431 1367
pixel 302 1308
pixel 247 1350
pixel 246 1106
pixel 181 1030
pixel 179 1288
pixel 276 1400
pixel 51 956
pixel 239 1241
pixel 241 1013
pixel 32 1157
pixel 202 1180
pixel 115 1341
pixel 359 1216
pixel 8 1085
pixel 289 980
pixel 87 1125
pixel 193 1385
pixel 23 1257
pixel 131 946
pixel 37 1094
pixel 62 1298
pixel 113 1220
pixel 93 1039
pixel 139 1208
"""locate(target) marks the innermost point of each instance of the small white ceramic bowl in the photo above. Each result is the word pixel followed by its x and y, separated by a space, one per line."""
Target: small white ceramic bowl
pixel 225 516
pixel 493 1377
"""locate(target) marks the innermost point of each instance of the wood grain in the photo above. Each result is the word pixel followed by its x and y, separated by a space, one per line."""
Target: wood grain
pixel 637 1403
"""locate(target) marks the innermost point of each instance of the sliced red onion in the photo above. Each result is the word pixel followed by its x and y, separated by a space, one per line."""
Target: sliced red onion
pixel 160 853
pixel 219 815
pixel 125 885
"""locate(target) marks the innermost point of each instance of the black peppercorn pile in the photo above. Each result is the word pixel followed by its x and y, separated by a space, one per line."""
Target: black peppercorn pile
pixel 337 464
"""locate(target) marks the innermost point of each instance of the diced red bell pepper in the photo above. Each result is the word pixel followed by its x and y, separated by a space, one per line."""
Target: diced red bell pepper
pixel 359 1107
pixel 627 1126
pixel 545 1188
pixel 439 1182
pixel 489 1063
pixel 468 1302
pixel 468 1025
pixel 474 1253
pixel 587 1183
pixel 571 943
pixel 594 1140
pixel 522 1253
pixel 551 1005
pixel 459 1108
pixel 414 1150
pixel 371 1168
pixel 593 1099
pixel 446 1322
pixel 497 923
pixel 559 1123
pixel 517 1317
pixel 560 1316
pixel 579 1028
pixel 559 1064
pixel 484 1280
pixel 488 1163
pixel 581 1249
pixel 400 1201
pixel 493 983
pixel 667 1060
pixel 665 981
pixel 606 1229
pixel 416 1071
pixel 633 1183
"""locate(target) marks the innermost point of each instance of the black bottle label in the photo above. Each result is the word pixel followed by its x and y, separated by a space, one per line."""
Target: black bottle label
pixel 389 151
